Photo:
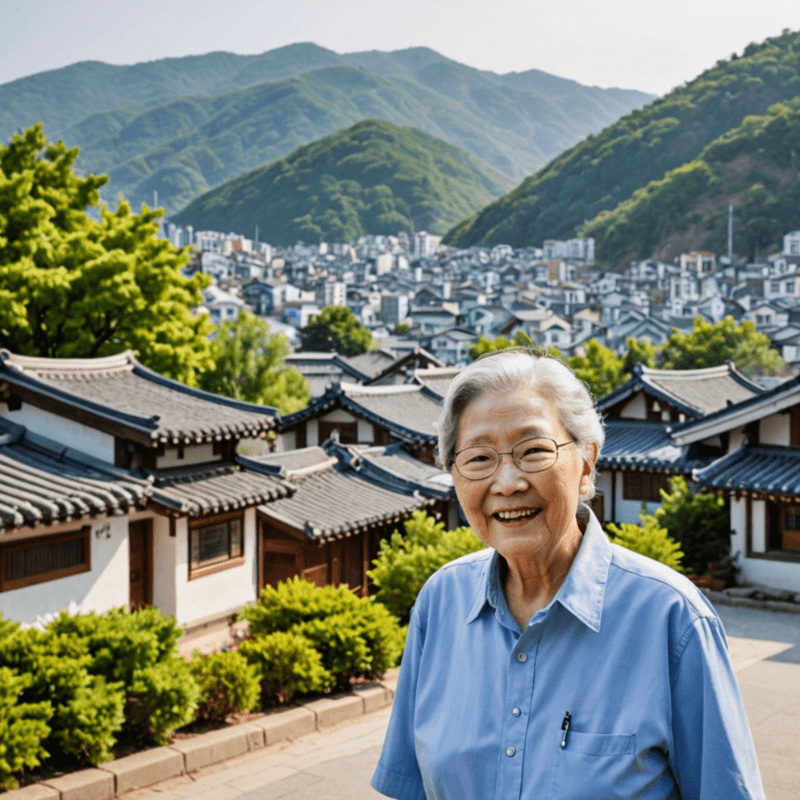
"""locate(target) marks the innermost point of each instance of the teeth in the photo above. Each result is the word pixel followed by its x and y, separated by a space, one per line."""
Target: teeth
pixel 516 514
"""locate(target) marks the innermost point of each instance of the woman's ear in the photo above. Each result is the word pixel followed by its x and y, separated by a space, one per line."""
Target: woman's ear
pixel 588 467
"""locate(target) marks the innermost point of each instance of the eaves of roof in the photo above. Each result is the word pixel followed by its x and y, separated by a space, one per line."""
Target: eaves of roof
pixel 737 415
pixel 755 470
pixel 43 482
pixel 335 397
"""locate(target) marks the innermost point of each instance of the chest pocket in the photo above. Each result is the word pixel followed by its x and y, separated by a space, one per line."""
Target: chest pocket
pixel 594 766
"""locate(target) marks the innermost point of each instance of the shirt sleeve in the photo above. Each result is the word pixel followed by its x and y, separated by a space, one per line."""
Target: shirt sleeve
pixel 713 754
pixel 397 774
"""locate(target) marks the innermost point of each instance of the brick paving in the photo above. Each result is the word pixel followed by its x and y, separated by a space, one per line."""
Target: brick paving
pixel 337 764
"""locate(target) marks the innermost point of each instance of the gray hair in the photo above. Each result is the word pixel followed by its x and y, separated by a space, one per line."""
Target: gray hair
pixel 509 369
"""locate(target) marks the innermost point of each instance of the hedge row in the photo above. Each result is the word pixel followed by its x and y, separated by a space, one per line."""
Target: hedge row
pixel 72 693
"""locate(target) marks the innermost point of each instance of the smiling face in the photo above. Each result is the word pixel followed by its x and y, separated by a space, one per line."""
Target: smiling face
pixel 521 515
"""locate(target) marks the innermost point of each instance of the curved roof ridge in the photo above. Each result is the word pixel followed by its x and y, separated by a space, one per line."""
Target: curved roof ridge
pixel 355 389
pixel 124 361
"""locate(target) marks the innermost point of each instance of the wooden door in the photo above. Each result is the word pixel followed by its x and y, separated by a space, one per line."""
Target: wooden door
pixel 791 528
pixel 140 551
pixel 281 559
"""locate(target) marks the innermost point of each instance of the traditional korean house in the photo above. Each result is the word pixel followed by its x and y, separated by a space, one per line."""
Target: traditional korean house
pixel 640 456
pixel 175 522
pixel 760 473
pixel 329 530
pixel 366 415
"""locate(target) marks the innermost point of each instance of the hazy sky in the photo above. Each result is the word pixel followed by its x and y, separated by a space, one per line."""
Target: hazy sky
pixel 652 45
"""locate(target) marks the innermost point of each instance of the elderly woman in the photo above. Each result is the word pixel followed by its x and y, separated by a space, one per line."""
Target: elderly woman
pixel 555 665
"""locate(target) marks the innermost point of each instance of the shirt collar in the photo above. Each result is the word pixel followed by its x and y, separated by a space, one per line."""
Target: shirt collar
pixel 583 590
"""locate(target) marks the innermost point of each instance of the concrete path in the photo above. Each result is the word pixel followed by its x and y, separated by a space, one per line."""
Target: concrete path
pixel 765 649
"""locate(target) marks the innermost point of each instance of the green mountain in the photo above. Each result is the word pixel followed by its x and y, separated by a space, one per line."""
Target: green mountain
pixel 753 166
pixel 596 175
pixel 373 177
pixel 181 126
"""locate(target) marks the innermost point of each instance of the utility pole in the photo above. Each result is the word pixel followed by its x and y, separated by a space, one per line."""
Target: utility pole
pixel 730 234
pixel 155 198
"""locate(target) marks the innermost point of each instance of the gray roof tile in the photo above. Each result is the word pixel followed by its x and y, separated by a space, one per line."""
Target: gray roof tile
pixel 758 469
pixel 122 391
pixel 43 482
pixel 215 488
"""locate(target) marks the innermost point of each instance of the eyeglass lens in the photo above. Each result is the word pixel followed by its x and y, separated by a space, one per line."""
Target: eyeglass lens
pixel 530 455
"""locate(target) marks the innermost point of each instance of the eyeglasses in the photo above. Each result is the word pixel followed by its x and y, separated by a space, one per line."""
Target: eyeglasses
pixel 530 455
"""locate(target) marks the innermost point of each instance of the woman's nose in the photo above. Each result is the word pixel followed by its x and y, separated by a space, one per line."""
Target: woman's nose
pixel 508 477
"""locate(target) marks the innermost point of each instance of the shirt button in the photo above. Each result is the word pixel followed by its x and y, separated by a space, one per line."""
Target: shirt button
pixel 515 712
pixel 522 657
pixel 510 751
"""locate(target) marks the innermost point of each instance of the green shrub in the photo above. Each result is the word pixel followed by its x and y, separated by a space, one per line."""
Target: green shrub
pixel 137 650
pixel 700 523
pixel 87 709
pixel 355 636
pixel 405 562
pixel 227 684
pixel 286 664
pixel 649 539
pixel 23 727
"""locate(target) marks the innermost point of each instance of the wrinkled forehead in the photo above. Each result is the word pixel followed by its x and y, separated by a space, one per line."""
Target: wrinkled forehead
pixel 512 414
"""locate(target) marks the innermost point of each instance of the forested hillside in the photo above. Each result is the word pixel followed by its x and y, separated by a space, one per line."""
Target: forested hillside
pixel 373 177
pixel 754 167
pixel 604 170
pixel 182 126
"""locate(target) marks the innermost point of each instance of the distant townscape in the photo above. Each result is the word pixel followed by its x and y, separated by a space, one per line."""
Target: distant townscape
pixel 443 298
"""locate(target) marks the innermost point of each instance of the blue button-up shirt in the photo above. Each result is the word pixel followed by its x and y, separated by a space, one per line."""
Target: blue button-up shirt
pixel 628 646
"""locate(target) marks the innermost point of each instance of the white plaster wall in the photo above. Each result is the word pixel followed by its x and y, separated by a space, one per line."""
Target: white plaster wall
pixel 366 432
pixel 635 408
pixel 736 440
pixel 759 527
pixel 285 441
pixel 312 433
pixel 775 574
pixel 65 431
pixel 104 587
pixel 221 591
pixel 774 429
pixel 338 415
pixel 195 454
pixel 164 547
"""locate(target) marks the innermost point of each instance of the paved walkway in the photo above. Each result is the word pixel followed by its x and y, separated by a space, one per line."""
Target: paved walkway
pixel 765 649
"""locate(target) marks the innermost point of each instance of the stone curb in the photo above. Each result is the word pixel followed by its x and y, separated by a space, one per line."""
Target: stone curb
pixel 724 599
pixel 160 763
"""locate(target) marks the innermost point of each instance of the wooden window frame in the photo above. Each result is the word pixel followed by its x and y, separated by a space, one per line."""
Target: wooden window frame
pixel 231 562
pixel 646 492
pixel 348 431
pixel 83 533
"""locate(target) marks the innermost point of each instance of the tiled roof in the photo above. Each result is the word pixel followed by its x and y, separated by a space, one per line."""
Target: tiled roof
pixel 43 482
pixel 438 380
pixel 640 445
pixel 333 500
pixel 396 468
pixel 371 363
pixel 409 412
pixel 215 489
pixel 118 392
pixel 757 469
pixel 782 396
pixel 696 392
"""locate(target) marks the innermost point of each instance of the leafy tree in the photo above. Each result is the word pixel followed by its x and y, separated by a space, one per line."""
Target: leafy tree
pixel 406 561
pixel 601 369
pixel 75 286
pixel 649 539
pixel 520 339
pixel 336 328
pixel 401 328
pixel 248 365
pixel 640 351
pixel 698 522
pixel 709 345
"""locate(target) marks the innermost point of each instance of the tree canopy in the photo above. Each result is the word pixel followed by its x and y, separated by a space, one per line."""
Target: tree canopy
pixel 711 344
pixel 249 366
pixel 76 286
pixel 336 328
